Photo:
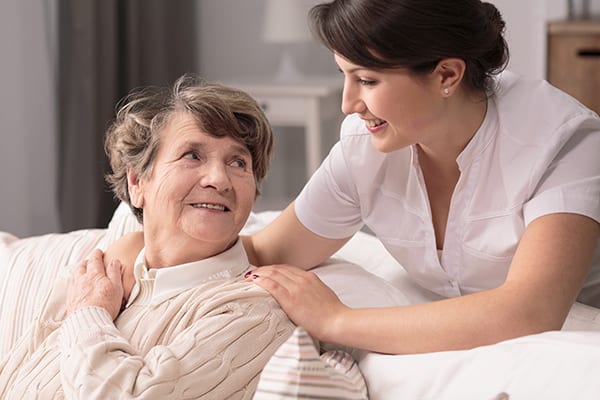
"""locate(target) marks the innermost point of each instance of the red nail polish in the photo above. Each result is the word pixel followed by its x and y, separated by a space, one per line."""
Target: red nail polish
pixel 247 274
pixel 254 276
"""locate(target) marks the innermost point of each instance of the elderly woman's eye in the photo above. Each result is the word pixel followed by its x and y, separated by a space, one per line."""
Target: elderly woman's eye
pixel 192 155
pixel 239 163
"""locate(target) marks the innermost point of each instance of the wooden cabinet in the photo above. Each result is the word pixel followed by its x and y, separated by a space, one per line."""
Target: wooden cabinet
pixel 574 59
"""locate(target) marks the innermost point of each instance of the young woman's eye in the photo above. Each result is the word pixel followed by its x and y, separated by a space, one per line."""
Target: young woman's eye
pixel 366 82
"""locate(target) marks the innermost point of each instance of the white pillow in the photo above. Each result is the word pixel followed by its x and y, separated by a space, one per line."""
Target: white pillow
pixel 28 269
pixel 358 288
pixel 582 317
pixel 30 266
pixel 551 365
pixel 122 222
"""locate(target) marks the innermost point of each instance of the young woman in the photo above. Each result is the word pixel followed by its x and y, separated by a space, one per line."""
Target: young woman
pixel 484 185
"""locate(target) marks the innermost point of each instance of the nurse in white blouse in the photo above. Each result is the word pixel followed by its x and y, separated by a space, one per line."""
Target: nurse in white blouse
pixel 484 185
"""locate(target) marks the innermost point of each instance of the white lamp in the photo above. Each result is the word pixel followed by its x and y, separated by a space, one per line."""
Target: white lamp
pixel 579 9
pixel 286 24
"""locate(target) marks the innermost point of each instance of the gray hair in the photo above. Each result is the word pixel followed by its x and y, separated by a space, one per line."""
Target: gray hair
pixel 133 139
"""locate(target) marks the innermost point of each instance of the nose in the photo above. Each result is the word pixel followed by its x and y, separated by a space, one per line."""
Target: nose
pixel 215 175
pixel 351 100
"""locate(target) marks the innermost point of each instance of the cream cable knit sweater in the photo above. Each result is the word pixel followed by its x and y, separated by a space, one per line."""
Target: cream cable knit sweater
pixel 208 342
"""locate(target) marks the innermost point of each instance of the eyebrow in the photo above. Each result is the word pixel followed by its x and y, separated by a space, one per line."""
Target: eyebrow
pixel 359 69
pixel 356 69
pixel 235 148
pixel 239 148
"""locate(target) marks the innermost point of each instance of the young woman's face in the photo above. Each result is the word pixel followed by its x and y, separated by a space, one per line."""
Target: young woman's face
pixel 398 108
pixel 200 190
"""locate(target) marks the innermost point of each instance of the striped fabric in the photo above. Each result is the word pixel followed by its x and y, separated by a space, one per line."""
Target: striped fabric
pixel 296 371
pixel 29 267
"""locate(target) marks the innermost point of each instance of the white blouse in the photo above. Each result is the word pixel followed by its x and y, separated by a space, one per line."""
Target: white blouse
pixel 536 153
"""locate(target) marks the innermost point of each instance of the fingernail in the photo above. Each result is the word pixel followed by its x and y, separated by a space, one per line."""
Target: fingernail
pixel 247 274
pixel 254 276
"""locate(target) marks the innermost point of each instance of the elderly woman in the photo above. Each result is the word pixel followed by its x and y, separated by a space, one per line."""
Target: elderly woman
pixel 188 161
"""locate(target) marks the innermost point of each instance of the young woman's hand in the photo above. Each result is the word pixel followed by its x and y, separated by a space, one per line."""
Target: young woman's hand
pixel 93 285
pixel 306 300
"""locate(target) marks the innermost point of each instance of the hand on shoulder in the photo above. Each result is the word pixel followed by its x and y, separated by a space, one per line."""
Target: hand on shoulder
pixel 126 250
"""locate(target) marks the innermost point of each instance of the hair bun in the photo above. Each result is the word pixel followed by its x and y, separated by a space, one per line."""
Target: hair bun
pixel 494 17
pixel 496 56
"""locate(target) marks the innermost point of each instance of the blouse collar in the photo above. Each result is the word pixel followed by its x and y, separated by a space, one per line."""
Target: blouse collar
pixel 170 281
pixel 482 138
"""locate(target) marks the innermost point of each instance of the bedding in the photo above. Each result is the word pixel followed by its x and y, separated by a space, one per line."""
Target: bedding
pixel 298 370
pixel 561 364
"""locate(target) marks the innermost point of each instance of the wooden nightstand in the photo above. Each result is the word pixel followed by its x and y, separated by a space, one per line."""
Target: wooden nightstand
pixel 574 59
pixel 306 104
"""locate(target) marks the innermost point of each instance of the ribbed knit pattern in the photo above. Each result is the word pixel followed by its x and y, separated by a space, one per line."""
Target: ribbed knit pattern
pixel 209 342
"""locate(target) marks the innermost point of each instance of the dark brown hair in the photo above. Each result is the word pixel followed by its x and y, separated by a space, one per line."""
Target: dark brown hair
pixel 415 34
pixel 133 139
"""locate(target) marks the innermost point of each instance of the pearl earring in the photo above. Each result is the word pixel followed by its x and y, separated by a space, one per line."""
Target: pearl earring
pixel 446 91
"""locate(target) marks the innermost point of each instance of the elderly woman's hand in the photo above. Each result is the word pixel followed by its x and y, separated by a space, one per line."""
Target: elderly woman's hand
pixel 93 284
pixel 126 250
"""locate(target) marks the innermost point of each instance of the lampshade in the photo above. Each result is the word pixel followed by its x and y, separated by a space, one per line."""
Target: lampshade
pixel 286 21
pixel 579 9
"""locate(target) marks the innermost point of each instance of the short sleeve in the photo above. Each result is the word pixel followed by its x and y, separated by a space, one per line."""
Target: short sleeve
pixel 571 181
pixel 329 205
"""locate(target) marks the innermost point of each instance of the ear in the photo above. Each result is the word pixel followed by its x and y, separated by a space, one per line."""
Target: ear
pixel 135 188
pixel 449 73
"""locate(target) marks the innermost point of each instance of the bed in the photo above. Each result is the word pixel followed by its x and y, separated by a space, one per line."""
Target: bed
pixel 552 365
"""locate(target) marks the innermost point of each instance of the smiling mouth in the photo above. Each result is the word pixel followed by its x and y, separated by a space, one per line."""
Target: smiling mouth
pixel 210 206
pixel 373 123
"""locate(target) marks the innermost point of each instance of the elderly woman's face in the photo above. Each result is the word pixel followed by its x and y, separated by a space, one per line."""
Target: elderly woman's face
pixel 201 188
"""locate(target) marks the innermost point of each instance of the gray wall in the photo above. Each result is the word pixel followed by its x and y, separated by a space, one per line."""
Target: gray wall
pixel 230 47
pixel 27 136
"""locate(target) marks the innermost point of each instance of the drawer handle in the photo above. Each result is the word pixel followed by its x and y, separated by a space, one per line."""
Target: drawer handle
pixel 589 53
